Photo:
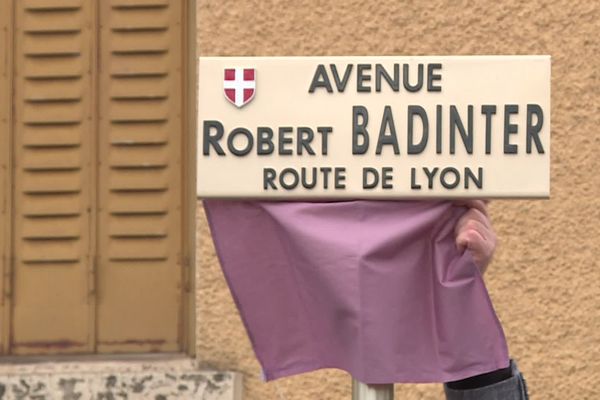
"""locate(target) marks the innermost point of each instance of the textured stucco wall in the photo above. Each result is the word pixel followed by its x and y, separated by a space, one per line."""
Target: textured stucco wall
pixel 545 278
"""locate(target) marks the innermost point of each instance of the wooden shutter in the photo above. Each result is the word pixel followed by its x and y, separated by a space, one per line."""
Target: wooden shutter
pixel 140 176
pixel 91 176
pixel 5 216
pixel 53 135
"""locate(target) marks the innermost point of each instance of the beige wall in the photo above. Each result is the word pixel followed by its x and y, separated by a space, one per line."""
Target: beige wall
pixel 545 277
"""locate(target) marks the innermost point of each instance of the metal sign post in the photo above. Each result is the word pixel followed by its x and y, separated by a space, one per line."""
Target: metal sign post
pixel 362 391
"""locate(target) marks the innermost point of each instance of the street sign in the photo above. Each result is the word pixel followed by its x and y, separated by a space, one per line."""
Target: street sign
pixel 374 127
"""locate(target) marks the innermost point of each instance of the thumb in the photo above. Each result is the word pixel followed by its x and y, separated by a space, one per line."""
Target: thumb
pixel 462 243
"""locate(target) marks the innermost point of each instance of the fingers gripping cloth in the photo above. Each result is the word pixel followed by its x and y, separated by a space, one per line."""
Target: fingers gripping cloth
pixel 377 289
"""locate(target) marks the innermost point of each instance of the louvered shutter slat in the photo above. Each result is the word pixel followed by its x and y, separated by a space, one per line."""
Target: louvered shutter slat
pixel 50 135
pixel 51 5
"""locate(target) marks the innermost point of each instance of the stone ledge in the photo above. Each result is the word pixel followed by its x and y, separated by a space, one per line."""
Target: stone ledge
pixel 132 379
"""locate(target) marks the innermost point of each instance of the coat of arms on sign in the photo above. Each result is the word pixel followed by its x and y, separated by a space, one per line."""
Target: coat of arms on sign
pixel 239 85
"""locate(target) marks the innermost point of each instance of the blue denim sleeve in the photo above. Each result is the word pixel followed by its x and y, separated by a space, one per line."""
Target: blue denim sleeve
pixel 513 388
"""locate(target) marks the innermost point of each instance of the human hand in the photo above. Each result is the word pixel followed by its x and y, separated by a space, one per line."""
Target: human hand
pixel 474 232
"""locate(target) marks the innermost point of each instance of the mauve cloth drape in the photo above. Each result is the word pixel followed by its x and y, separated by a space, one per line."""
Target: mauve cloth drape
pixel 376 288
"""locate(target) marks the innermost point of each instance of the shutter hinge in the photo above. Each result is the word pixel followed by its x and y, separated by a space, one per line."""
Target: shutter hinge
pixel 187 271
pixel 91 295
pixel 7 281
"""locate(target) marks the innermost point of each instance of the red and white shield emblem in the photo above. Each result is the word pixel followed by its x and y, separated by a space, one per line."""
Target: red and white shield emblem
pixel 239 85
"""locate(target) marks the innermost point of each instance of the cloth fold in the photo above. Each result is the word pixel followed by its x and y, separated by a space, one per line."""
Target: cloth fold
pixel 375 288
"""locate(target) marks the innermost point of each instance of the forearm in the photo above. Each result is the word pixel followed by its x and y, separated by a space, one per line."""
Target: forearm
pixel 498 385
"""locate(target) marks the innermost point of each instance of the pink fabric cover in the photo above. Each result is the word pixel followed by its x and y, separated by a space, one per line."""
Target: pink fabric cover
pixel 376 288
